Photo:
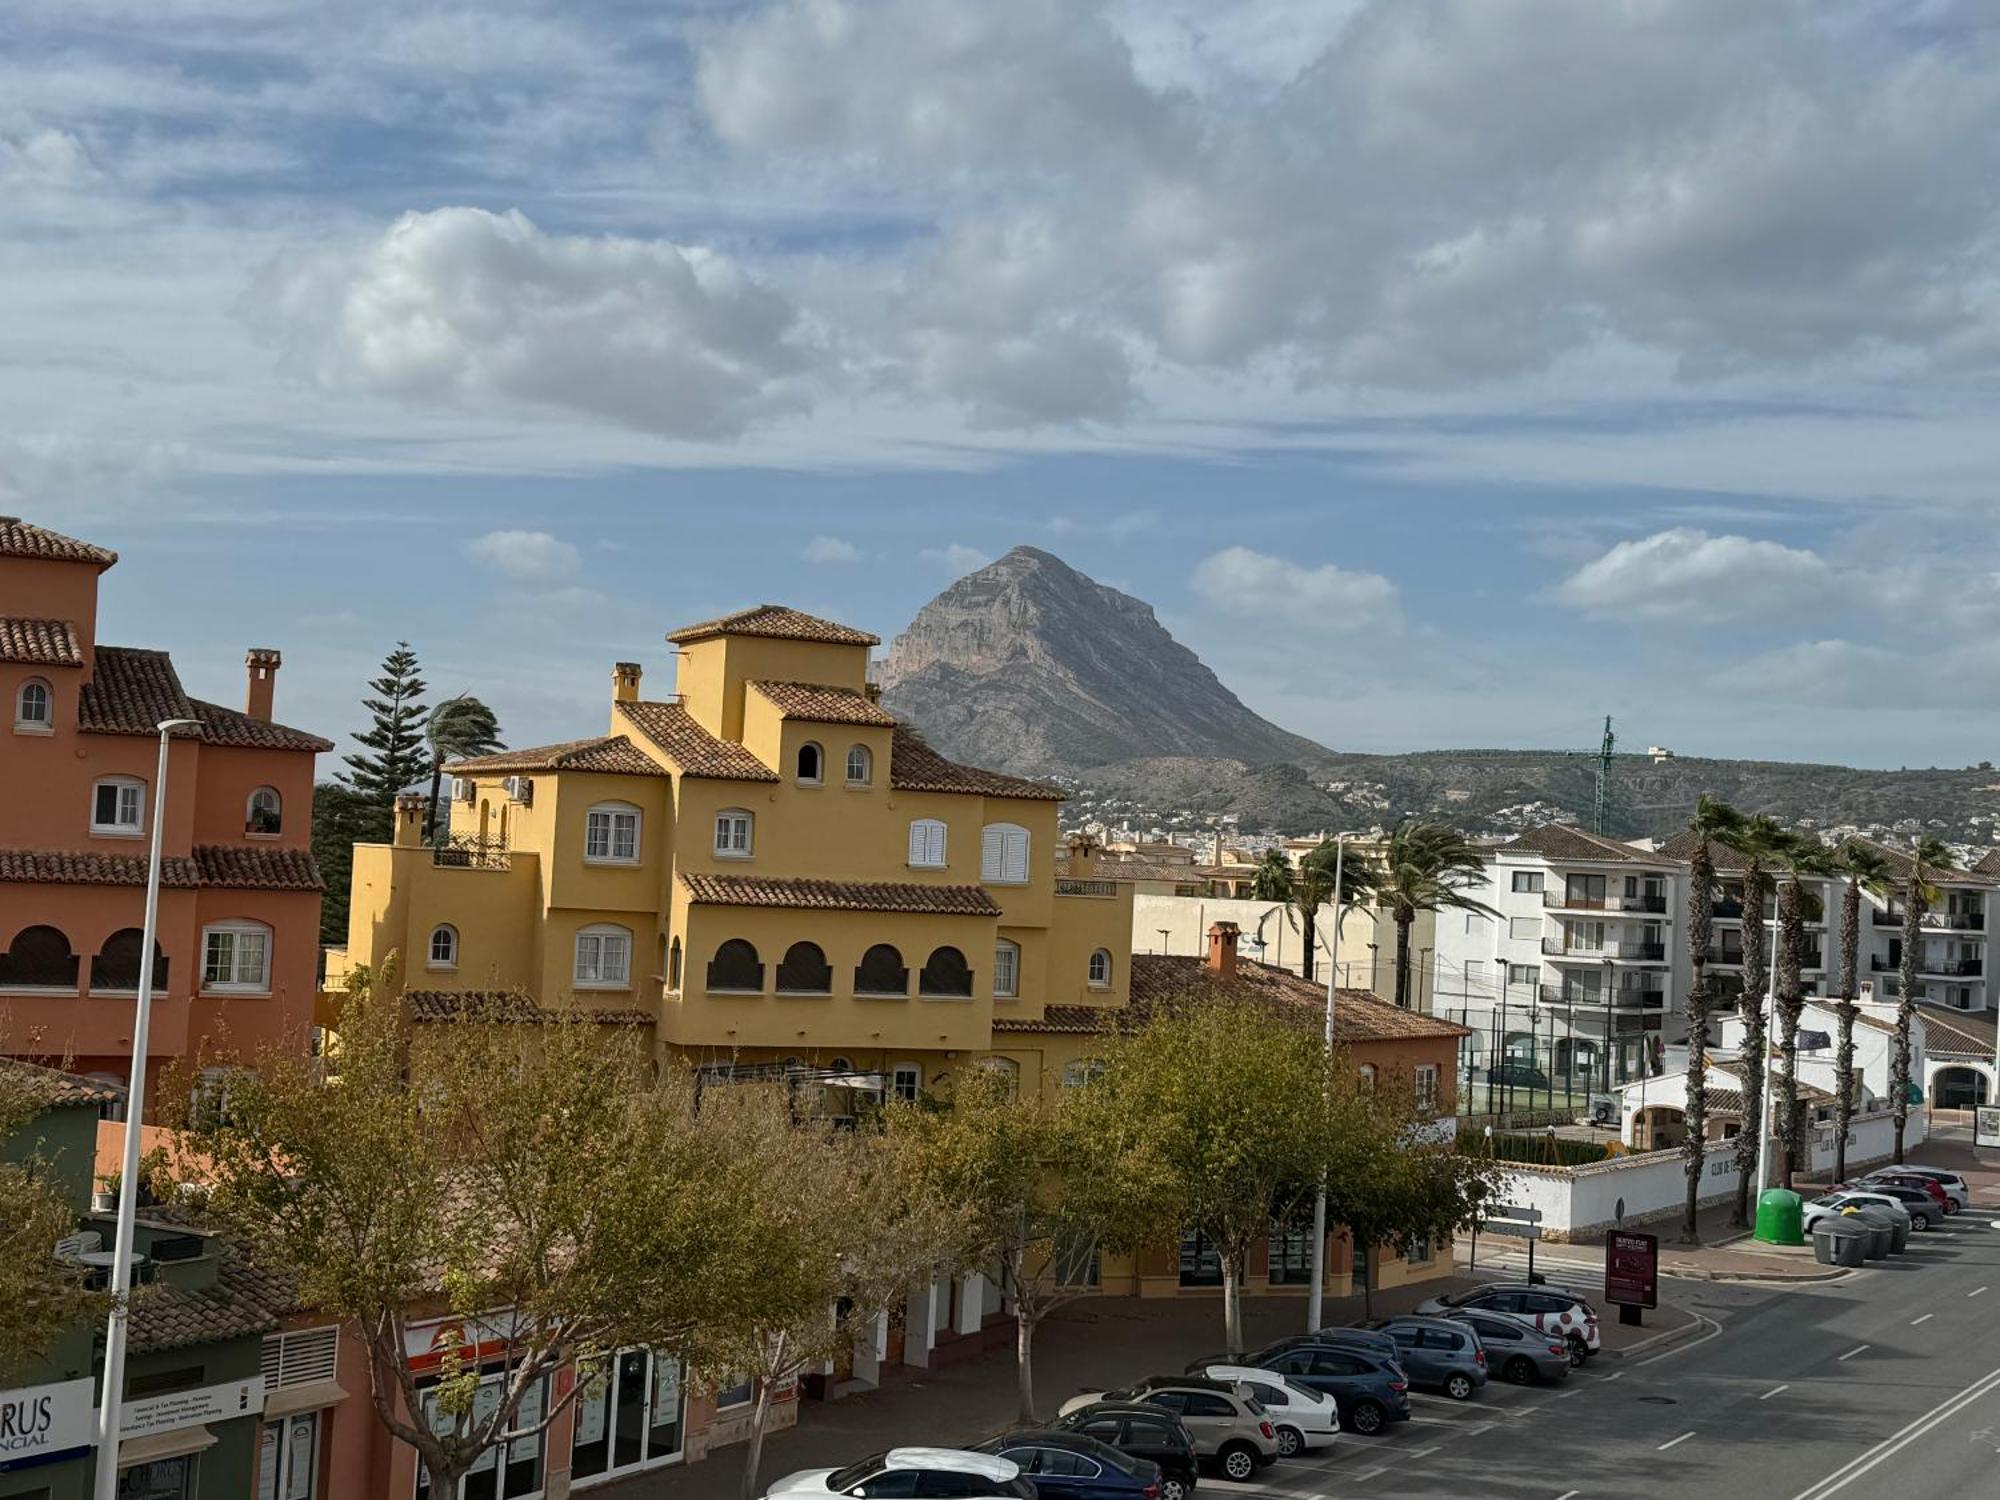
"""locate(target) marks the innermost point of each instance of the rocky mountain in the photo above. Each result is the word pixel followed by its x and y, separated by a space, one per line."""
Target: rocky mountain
pixel 1028 666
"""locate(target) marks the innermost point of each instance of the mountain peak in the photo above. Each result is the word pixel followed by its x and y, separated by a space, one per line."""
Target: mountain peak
pixel 1031 666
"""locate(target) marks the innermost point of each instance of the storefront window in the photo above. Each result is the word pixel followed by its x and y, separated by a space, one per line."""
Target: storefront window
pixel 1291 1258
pixel 288 1462
pixel 509 1471
pixel 629 1415
pixel 1201 1262
pixel 168 1479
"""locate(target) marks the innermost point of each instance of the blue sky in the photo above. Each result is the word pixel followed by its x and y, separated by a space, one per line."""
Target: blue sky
pixel 1446 372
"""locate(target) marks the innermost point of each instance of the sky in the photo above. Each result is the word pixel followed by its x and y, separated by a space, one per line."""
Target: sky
pixel 1445 372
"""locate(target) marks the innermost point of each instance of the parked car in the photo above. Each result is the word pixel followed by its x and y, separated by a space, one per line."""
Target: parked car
pixel 1141 1431
pixel 1919 1205
pixel 1552 1309
pixel 1304 1418
pixel 1229 1428
pixel 1438 1353
pixel 1352 1338
pixel 1521 1075
pixel 1075 1465
pixel 1836 1204
pixel 1929 1186
pixel 1956 1188
pixel 939 1474
pixel 1517 1351
pixel 1371 1390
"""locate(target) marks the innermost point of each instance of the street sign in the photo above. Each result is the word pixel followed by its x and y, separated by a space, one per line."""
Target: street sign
pixel 1986 1126
pixel 1518 1213
pixel 1631 1269
pixel 1508 1229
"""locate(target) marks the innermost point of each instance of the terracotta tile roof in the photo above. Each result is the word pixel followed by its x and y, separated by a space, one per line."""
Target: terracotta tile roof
pixel 244 1300
pixel 1988 863
pixel 1065 1020
pixel 1957 1032
pixel 840 895
pixel 614 754
pixel 1159 978
pixel 692 748
pixel 19 539
pixel 824 705
pixel 1899 868
pixel 61 1090
pixel 915 767
pixel 130 691
pixel 510 1007
pixel 46 643
pixel 778 623
pixel 218 866
pixel 225 726
pixel 1561 841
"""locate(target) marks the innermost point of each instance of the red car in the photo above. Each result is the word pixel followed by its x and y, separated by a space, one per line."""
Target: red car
pixel 1929 1186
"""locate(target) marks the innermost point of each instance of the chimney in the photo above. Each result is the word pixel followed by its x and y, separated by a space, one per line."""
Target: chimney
pixel 1222 938
pixel 625 681
pixel 1083 852
pixel 260 664
pixel 410 820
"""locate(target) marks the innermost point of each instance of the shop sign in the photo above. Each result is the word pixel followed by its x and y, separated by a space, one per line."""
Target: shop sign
pixel 41 1422
pixel 1631 1269
pixel 178 1409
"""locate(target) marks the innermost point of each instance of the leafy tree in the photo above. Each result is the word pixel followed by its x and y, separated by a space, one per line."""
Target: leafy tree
pixel 395 739
pixel 456 729
pixel 342 817
pixel 1711 820
pixel 534 1179
pixel 1409 1192
pixel 1928 855
pixel 1866 872
pixel 1039 1197
pixel 1759 841
pixel 1425 866
pixel 43 1297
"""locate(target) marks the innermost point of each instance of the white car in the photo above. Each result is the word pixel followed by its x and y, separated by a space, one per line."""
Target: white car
pixel 1305 1418
pixel 941 1474
pixel 1835 1204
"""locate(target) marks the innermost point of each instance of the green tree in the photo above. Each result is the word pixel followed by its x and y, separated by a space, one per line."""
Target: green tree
pixel 1927 855
pixel 1866 872
pixel 456 729
pixel 539 1180
pixel 1410 1191
pixel 342 817
pixel 1711 820
pixel 1272 879
pixel 1312 887
pixel 1424 866
pixel 43 1297
pixel 1759 840
pixel 394 740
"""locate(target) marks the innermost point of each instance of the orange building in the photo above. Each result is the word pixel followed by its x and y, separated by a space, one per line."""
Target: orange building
pixel 238 943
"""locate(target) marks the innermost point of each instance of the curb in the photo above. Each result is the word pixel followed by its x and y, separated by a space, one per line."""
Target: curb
pixel 1764 1278
pixel 1648 1345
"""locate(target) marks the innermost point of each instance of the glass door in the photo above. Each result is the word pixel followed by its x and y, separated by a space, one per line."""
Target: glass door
pixel 288 1460
pixel 629 1416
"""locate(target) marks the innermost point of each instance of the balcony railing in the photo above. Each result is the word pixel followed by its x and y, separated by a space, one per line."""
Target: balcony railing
pixel 1645 953
pixel 1067 887
pixel 464 852
pixel 1956 968
pixel 1564 901
pixel 1733 956
pixel 1621 999
pixel 1729 908
pixel 1956 921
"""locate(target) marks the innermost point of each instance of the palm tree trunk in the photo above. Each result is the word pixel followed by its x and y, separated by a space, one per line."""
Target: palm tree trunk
pixel 431 813
pixel 1308 918
pixel 1695 1148
pixel 1790 1006
pixel 1906 1002
pixel 1404 917
pixel 1843 1109
pixel 1756 1042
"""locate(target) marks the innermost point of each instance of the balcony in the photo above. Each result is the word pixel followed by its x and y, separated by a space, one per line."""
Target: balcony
pixel 1564 901
pixel 1098 888
pixel 1728 908
pixel 1725 957
pixel 1644 998
pixel 1617 952
pixel 1956 921
pixel 1949 968
pixel 467 852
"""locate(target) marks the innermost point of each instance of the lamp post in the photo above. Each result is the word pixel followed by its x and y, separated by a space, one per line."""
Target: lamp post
pixel 108 1410
pixel 1607 1025
pixel 1317 1291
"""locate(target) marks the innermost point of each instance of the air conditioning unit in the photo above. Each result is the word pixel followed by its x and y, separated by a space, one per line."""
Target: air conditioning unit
pixel 521 789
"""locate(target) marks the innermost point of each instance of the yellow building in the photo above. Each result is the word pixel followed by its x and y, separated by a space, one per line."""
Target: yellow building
pixel 766 868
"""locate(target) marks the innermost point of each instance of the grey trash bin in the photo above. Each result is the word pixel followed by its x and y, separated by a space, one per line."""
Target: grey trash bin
pixel 1880 1236
pixel 1898 1226
pixel 1849 1239
pixel 1825 1243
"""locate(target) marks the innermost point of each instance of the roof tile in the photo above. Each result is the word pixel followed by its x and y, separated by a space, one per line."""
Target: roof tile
pixel 777 622
pixel 611 754
pixel 131 691
pixel 1561 841
pixel 216 866
pixel 19 539
pixel 45 643
pixel 59 1089
pixel 840 895
pixel 915 767
pixel 243 1300
pixel 225 726
pixel 824 705
pixel 692 748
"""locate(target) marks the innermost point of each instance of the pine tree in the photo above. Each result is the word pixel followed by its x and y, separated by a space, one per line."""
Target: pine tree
pixel 396 740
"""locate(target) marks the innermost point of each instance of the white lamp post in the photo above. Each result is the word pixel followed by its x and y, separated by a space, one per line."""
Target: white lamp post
pixel 1318 1290
pixel 111 1398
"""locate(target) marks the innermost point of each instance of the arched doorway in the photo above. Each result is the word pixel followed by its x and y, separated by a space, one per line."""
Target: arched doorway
pixel 1958 1088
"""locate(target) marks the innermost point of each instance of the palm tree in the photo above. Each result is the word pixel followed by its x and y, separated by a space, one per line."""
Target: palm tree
pixel 1272 878
pixel 1425 867
pixel 457 728
pixel 1917 896
pixel 1866 871
pixel 1711 820
pixel 1758 840
pixel 1311 887
pixel 1802 857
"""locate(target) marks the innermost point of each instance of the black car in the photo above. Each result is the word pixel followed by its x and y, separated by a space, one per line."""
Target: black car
pixel 1142 1431
pixel 1521 1075
pixel 1075 1465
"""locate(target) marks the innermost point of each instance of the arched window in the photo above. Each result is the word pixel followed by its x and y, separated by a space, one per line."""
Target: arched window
pixel 860 765
pixel 1006 969
pixel 611 834
pixel 812 762
pixel 115 968
pixel 603 958
pixel 39 958
pixel 946 974
pixel 265 812
pixel 236 957
pixel 34 708
pixel 735 967
pixel 805 971
pixel 881 972
pixel 118 806
pixel 1100 969
pixel 1003 854
pixel 444 946
pixel 674 964
pixel 733 827
pixel 927 850
pixel 1005 1070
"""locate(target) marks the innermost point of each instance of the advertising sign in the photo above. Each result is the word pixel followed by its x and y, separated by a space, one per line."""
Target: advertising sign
pixel 41 1422
pixel 177 1409
pixel 1631 1269
pixel 1986 1126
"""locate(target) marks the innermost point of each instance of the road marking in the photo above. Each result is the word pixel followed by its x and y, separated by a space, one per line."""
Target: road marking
pixel 1893 1444
pixel 1924 1319
pixel 1714 1331
pixel 1575 1390
pixel 1673 1442
pixel 1614 1375
pixel 1420 1452
pixel 1975 1291
pixel 1857 1349
pixel 1368 1473
pixel 1569 1495
pixel 1774 1390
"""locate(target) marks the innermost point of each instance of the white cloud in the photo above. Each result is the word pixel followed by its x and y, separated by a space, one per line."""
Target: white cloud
pixel 43 158
pixel 1688 575
pixel 831 549
pixel 530 556
pixel 955 557
pixel 1327 599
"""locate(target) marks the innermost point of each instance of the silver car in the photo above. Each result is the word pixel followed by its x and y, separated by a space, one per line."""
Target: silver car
pixel 1516 1350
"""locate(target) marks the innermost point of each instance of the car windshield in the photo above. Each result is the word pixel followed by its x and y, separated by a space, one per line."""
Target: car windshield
pixel 853 1474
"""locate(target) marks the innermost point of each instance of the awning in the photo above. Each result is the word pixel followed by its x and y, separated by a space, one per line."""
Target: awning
pixel 307 1395
pixel 158 1445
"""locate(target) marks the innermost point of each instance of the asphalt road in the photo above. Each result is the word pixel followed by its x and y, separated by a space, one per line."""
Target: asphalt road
pixel 1884 1384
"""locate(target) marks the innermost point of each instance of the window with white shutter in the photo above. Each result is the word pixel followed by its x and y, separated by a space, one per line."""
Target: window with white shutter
pixel 927 844
pixel 1003 854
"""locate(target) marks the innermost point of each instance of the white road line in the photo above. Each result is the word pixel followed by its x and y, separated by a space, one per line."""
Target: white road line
pixel 1857 1349
pixel 1420 1452
pixel 1368 1473
pixel 1614 1375
pixel 1924 1319
pixel 1569 1495
pixel 1773 1391
pixel 1900 1439
pixel 1975 1291
pixel 1673 1442
pixel 1575 1390
pixel 1714 1331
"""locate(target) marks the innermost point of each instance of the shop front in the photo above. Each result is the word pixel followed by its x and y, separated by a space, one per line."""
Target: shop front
pixel 630 1416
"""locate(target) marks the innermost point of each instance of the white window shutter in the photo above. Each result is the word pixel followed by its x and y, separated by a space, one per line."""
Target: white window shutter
pixel 1017 855
pixel 917 841
pixel 935 844
pixel 993 853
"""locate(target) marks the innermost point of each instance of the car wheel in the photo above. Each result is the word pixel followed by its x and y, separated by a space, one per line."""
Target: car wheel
pixel 1579 1351
pixel 1366 1418
pixel 1173 1487
pixel 1520 1370
pixel 1238 1461
pixel 1290 1442
pixel 1920 1221
pixel 1950 1207
pixel 1458 1387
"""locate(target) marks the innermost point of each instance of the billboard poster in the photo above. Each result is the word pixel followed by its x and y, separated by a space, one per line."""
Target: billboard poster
pixel 1631 1269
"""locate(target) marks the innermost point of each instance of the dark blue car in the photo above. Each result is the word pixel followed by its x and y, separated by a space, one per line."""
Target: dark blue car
pixel 1075 1466
pixel 1370 1390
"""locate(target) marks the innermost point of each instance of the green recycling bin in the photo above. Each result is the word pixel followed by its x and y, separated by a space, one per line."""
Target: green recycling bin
pixel 1780 1217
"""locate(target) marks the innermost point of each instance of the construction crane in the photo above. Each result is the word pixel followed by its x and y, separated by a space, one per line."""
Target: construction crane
pixel 1603 801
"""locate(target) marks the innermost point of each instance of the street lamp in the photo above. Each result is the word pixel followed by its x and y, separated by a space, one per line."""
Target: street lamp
pixel 1318 1289
pixel 106 1486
